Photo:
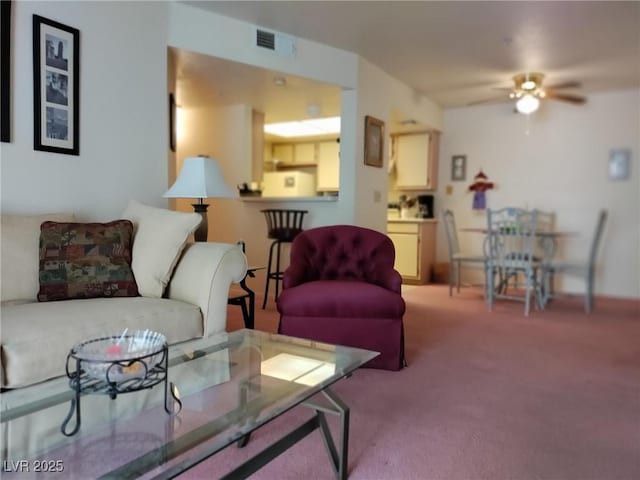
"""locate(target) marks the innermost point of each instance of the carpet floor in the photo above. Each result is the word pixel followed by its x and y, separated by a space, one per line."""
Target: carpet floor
pixel 495 396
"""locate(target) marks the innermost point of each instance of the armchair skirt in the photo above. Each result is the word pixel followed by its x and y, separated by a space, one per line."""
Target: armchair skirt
pixel 351 313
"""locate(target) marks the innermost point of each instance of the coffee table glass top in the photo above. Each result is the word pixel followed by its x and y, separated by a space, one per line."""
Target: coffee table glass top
pixel 229 385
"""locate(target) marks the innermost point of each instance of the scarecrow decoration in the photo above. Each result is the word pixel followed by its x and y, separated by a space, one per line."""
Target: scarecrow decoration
pixel 478 188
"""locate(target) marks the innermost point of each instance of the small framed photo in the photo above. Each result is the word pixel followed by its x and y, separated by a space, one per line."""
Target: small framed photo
pixel 458 168
pixel 56 67
pixel 373 141
pixel 619 164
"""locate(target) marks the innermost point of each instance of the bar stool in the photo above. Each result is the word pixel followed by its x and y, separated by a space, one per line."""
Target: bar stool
pixel 282 226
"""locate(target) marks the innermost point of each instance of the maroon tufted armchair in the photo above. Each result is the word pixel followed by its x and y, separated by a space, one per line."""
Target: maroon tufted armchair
pixel 341 287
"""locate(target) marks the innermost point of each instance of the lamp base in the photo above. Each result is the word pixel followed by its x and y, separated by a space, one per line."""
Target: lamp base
pixel 201 233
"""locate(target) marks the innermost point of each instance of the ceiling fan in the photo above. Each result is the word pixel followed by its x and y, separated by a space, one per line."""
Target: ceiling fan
pixel 528 91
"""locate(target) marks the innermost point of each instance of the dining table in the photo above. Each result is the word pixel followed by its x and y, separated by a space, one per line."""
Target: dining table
pixel 548 245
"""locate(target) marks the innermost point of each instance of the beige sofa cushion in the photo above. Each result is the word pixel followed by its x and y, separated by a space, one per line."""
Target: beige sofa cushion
pixel 37 337
pixel 159 238
pixel 20 259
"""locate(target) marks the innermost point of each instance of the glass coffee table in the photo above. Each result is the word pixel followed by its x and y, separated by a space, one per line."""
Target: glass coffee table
pixel 228 386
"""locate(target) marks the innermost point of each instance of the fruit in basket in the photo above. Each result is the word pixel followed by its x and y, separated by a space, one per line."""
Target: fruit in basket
pixel 114 349
pixel 132 369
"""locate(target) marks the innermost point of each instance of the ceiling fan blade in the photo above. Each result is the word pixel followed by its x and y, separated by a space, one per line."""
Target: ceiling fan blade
pixel 566 97
pixel 488 100
pixel 505 89
pixel 568 84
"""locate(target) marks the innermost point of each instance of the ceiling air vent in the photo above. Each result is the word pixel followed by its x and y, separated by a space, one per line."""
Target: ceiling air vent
pixel 266 39
pixel 279 43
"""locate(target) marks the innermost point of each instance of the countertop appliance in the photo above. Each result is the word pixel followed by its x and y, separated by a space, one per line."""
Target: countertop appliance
pixel 288 184
pixel 425 206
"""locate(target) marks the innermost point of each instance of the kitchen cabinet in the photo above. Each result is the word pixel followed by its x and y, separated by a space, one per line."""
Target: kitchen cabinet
pixel 323 155
pixel 415 245
pixel 304 154
pixel 294 155
pixel 416 157
pixel 328 173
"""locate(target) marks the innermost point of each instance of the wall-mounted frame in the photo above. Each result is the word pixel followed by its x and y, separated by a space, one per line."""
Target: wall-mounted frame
pixel 458 168
pixel 619 164
pixel 172 122
pixel 56 86
pixel 5 71
pixel 373 141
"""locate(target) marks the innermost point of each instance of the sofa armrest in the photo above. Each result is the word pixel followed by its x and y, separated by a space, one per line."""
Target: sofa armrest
pixel 203 277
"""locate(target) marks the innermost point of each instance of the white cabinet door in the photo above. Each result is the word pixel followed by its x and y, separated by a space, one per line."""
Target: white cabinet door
pixel 328 166
pixel 406 245
pixel 282 153
pixel 304 153
pixel 413 169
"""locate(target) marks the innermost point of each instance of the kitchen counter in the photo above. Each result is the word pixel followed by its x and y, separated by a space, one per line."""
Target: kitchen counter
pixel 317 198
pixel 412 220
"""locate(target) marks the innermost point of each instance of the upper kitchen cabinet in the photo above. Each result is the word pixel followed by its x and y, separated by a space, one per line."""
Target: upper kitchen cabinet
pixel 320 157
pixel 282 153
pixel 295 155
pixel 416 159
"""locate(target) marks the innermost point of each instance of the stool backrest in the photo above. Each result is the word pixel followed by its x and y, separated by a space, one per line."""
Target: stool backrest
pixel 282 224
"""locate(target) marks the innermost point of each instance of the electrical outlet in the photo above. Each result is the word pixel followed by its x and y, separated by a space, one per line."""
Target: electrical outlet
pixel 449 189
pixel 377 196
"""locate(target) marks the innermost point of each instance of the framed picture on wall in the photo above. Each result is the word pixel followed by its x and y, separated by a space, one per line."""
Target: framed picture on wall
pixel 458 168
pixel 56 67
pixel 172 122
pixel 373 141
pixel 5 71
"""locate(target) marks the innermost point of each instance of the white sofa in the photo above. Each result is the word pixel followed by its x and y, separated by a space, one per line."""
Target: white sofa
pixel 37 336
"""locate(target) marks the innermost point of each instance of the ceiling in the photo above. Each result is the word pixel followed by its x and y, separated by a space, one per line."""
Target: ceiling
pixel 203 78
pixel 455 53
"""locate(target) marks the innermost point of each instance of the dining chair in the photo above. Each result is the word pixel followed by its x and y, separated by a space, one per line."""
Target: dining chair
pixel 546 242
pixel 456 257
pixel 584 269
pixel 510 252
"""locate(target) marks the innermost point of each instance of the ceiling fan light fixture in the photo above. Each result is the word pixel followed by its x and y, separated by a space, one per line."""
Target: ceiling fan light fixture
pixel 527 104
pixel 528 85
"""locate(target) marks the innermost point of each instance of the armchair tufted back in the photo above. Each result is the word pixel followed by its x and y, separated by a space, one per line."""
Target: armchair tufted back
pixel 342 252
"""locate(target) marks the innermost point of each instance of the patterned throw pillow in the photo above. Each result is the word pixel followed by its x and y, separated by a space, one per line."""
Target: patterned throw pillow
pixel 86 260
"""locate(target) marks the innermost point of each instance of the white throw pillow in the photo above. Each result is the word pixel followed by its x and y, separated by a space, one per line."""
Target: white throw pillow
pixel 159 236
pixel 20 259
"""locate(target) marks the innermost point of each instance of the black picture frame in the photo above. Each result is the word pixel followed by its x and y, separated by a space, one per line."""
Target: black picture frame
pixel 373 141
pixel 458 168
pixel 56 87
pixel 172 122
pixel 5 70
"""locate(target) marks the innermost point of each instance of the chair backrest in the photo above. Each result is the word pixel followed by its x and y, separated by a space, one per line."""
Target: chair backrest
pixel 512 237
pixel 450 229
pixel 597 237
pixel 545 246
pixel 283 225
pixel 343 252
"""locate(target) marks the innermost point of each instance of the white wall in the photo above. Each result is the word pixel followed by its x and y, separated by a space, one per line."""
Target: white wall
pixel 555 160
pixel 379 95
pixel 123 113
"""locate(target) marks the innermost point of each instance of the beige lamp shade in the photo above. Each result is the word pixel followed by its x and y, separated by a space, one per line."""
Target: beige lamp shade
pixel 200 177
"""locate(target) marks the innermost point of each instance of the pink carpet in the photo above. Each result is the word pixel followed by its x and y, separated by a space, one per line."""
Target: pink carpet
pixel 494 396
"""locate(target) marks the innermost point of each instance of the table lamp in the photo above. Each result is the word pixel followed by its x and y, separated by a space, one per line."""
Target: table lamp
pixel 200 177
